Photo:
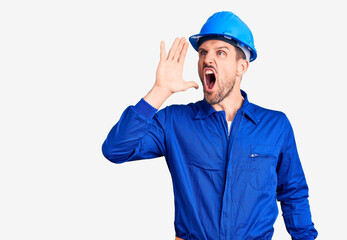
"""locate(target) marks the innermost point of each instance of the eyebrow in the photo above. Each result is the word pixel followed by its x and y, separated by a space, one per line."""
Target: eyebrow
pixel 218 48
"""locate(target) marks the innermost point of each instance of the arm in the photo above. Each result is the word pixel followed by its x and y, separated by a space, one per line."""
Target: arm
pixel 292 190
pixel 139 134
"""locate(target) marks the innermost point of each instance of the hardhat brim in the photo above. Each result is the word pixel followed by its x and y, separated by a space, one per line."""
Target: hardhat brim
pixel 195 38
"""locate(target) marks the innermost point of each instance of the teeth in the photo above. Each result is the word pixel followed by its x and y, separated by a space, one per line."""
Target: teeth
pixel 209 72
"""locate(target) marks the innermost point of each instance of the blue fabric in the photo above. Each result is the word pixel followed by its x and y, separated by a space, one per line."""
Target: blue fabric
pixel 225 187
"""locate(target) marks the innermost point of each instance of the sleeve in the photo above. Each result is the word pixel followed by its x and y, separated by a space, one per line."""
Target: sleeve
pixel 139 134
pixel 292 190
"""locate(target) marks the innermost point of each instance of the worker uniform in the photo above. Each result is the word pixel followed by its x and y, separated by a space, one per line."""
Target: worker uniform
pixel 225 185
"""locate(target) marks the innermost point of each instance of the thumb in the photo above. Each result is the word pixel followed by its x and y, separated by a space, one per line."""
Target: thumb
pixel 191 84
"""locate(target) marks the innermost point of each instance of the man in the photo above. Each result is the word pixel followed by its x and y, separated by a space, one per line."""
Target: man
pixel 229 159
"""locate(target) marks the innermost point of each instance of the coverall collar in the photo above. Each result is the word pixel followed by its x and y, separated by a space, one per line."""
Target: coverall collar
pixel 205 109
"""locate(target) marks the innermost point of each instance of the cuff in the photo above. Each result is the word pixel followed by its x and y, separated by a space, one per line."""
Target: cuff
pixel 145 109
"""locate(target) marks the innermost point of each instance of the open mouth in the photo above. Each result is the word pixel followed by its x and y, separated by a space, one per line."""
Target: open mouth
pixel 210 78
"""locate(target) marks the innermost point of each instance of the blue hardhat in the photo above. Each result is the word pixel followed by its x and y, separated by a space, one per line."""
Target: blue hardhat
pixel 229 26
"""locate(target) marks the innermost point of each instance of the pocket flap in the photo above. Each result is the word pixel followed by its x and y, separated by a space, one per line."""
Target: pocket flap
pixel 260 150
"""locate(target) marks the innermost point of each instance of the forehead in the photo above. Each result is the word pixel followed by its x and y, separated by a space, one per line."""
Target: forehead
pixel 216 44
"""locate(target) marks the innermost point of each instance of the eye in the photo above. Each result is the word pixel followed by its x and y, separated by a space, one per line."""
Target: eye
pixel 202 52
pixel 221 53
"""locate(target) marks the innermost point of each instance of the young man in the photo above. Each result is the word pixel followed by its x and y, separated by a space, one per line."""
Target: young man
pixel 229 159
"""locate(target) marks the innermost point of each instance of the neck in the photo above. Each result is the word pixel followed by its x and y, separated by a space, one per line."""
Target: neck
pixel 230 104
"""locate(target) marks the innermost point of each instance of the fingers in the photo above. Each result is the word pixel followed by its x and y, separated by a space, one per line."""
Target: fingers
pixel 162 51
pixel 178 47
pixel 183 54
pixel 173 49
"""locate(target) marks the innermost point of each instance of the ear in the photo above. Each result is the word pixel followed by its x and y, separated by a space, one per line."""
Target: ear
pixel 242 67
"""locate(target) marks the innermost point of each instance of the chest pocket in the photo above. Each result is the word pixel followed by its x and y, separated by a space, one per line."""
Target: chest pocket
pixel 204 151
pixel 209 162
pixel 262 165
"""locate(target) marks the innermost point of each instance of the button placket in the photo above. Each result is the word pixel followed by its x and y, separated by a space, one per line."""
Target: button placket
pixel 226 212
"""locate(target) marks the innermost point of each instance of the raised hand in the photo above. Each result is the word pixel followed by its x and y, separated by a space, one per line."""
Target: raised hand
pixel 170 68
pixel 169 73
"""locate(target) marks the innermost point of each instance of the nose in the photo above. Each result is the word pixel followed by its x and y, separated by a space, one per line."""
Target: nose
pixel 208 60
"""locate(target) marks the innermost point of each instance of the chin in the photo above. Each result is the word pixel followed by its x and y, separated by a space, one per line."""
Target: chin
pixel 209 98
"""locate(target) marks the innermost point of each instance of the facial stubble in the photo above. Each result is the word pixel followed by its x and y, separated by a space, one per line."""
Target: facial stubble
pixel 223 91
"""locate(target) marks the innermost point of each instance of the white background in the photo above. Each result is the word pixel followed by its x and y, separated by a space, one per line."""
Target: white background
pixel 68 69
